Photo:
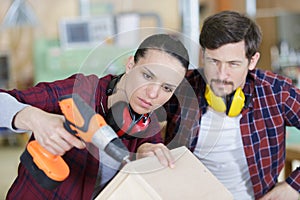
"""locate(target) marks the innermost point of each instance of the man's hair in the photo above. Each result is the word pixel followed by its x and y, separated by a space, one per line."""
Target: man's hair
pixel 165 43
pixel 230 27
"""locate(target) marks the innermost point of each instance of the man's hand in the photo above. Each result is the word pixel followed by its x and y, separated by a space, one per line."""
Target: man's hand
pixel 282 191
pixel 159 150
pixel 48 130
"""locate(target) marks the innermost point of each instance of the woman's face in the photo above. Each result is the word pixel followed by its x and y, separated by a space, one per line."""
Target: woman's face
pixel 152 80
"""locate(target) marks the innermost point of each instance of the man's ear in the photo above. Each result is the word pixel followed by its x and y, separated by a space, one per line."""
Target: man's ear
pixel 254 60
pixel 201 57
pixel 129 64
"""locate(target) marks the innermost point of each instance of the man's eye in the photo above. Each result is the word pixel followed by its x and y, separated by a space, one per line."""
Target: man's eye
pixel 213 62
pixel 234 65
pixel 147 76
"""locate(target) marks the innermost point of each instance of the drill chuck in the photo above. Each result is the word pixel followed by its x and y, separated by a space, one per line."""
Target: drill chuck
pixel 106 139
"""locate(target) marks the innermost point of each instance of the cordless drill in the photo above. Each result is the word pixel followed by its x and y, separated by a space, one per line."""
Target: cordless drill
pixel 81 120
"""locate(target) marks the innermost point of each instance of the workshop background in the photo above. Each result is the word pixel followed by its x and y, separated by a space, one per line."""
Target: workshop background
pixel 46 40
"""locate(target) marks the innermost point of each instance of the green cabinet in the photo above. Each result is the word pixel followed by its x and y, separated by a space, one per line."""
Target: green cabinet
pixel 54 63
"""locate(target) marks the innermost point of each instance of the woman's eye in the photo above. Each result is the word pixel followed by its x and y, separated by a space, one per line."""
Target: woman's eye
pixel 167 88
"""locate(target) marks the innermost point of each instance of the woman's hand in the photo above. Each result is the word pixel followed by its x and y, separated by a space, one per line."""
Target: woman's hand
pixel 48 130
pixel 159 150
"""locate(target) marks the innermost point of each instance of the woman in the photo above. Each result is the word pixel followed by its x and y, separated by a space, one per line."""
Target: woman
pixel 151 76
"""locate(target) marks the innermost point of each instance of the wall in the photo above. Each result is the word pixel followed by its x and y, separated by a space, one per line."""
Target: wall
pixel 267 11
pixel 18 42
pixel 168 10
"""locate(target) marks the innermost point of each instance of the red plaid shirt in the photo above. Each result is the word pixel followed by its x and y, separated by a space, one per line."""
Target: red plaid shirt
pixel 272 103
pixel 83 165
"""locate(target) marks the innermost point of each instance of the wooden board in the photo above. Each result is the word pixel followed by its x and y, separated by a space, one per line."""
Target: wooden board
pixel 148 179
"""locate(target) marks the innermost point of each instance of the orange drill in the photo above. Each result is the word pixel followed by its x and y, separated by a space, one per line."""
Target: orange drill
pixel 81 120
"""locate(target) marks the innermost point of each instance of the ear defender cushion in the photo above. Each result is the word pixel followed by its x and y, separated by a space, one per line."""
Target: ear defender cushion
pixel 217 103
pixel 237 104
pixel 115 117
pixel 123 121
pixel 214 101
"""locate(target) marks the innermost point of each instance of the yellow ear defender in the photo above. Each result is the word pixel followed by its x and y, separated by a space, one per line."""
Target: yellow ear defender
pixel 218 104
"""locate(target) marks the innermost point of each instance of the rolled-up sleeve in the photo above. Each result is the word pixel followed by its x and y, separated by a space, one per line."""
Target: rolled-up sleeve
pixel 9 107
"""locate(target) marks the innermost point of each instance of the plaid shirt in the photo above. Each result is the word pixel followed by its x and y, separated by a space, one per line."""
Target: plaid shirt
pixel 272 103
pixel 83 165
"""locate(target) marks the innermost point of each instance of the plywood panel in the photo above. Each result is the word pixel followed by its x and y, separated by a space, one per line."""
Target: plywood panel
pixel 147 178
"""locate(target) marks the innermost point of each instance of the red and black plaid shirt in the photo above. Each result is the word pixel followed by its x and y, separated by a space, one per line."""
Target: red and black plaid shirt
pixel 272 103
pixel 83 165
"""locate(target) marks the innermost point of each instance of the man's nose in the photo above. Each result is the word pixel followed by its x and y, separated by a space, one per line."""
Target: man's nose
pixel 223 71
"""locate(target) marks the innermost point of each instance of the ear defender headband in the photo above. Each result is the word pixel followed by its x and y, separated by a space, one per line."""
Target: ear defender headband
pixel 121 117
pixel 233 106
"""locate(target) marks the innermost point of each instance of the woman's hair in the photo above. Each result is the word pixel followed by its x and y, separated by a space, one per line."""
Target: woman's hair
pixel 165 43
pixel 230 27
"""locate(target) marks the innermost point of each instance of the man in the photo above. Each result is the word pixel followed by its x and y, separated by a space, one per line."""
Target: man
pixel 235 117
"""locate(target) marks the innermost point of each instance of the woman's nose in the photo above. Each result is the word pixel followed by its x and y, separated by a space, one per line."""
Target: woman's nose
pixel 153 90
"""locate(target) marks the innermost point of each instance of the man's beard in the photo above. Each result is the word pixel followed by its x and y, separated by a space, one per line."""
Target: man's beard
pixel 226 89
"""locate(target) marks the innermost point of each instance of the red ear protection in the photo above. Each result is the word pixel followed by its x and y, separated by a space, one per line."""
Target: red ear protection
pixel 131 126
pixel 124 121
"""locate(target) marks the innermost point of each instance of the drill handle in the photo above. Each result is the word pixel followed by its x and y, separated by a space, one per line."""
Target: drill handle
pixel 82 120
pixel 78 115
pixel 68 125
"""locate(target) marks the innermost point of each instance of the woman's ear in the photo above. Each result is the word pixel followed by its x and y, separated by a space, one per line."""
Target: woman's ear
pixel 129 64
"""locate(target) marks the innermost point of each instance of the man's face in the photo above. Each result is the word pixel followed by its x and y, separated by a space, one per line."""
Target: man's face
pixel 226 68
